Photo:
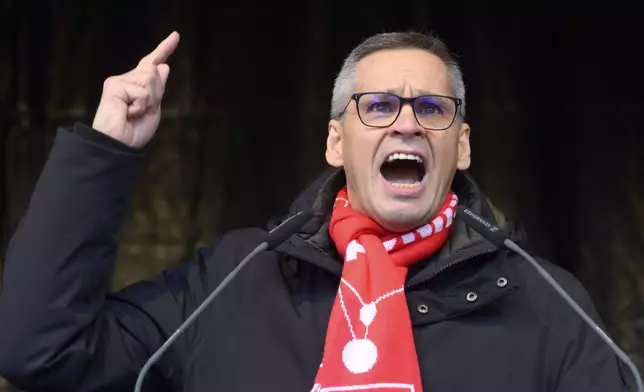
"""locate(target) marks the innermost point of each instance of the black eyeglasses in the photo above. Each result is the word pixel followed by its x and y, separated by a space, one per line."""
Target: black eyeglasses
pixel 380 110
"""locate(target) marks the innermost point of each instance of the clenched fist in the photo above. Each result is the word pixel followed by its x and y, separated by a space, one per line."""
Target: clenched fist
pixel 130 106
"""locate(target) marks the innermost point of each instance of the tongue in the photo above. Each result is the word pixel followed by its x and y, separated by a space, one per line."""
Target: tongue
pixel 400 175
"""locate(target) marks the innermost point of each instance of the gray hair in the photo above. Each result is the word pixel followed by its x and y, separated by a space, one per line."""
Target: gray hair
pixel 345 81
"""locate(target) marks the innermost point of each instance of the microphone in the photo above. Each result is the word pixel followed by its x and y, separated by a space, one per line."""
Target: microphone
pixel 501 239
pixel 274 238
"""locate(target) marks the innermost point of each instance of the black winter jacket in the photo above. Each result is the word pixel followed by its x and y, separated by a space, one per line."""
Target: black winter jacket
pixel 60 330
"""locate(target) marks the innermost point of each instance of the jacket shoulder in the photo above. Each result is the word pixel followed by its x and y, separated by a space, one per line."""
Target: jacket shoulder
pixel 234 244
pixel 546 301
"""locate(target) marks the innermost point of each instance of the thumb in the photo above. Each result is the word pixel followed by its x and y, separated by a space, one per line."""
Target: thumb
pixel 164 71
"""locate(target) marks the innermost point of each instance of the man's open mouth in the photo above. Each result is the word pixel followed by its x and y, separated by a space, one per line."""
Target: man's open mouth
pixel 403 170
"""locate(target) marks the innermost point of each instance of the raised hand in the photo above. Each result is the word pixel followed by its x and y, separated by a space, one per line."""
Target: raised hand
pixel 130 106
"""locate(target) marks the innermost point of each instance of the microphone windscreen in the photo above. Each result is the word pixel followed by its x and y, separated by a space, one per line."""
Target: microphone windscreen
pixel 490 232
pixel 287 228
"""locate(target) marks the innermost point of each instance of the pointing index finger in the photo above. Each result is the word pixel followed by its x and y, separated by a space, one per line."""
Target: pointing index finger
pixel 163 51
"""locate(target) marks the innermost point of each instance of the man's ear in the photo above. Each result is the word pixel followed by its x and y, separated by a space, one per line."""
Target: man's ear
pixel 464 152
pixel 334 144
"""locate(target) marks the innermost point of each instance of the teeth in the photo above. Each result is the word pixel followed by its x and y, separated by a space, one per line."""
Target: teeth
pixel 398 155
pixel 405 186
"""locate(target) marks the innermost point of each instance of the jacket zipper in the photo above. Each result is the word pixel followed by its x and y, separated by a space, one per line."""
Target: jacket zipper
pixel 449 265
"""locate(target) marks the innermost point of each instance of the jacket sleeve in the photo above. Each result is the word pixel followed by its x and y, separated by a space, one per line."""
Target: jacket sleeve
pixel 587 364
pixel 60 330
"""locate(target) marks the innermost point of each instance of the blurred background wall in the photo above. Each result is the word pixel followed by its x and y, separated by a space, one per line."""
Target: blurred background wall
pixel 553 96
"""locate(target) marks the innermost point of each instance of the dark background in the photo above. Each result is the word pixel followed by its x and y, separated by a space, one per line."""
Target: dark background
pixel 553 97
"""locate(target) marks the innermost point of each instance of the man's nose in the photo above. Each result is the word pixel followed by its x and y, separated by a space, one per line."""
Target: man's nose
pixel 406 123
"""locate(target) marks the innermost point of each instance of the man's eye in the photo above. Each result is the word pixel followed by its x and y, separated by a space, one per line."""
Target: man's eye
pixel 384 107
pixel 429 109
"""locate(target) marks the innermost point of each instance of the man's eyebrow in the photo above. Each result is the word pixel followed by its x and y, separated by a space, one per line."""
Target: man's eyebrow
pixel 425 92
pixel 417 91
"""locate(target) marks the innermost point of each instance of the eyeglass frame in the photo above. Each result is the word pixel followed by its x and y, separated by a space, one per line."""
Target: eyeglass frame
pixel 403 101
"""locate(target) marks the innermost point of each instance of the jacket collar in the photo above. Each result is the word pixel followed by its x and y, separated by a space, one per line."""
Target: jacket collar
pixel 313 242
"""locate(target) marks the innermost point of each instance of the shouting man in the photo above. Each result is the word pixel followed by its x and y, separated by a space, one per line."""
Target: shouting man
pixel 382 290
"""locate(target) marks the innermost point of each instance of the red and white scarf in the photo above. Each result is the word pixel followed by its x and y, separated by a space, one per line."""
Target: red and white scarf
pixel 369 343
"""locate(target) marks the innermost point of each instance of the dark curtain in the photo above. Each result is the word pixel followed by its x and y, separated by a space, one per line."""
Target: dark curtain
pixel 554 94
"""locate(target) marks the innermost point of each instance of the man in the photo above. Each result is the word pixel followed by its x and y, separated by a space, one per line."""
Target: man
pixel 381 290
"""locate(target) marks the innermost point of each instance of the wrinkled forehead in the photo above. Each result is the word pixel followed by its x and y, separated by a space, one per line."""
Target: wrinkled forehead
pixel 406 72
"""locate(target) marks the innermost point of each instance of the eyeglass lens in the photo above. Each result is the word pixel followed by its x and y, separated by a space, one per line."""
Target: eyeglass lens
pixel 382 109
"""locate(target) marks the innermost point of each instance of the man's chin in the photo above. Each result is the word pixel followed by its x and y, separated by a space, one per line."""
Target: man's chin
pixel 400 219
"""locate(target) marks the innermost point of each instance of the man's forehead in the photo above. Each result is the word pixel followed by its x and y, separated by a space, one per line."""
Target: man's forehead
pixel 403 71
